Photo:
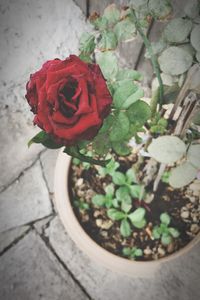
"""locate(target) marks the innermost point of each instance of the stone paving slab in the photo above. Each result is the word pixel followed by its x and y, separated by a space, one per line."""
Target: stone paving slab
pixel 26 200
pixel 10 236
pixel 29 271
pixel 176 280
pixel 48 161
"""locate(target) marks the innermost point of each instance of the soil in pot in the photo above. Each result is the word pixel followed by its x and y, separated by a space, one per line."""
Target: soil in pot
pixel 182 205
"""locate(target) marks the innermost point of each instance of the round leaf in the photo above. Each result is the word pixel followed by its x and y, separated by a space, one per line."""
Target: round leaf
pixel 167 149
pixel 87 43
pixel 191 9
pixel 124 74
pixel 131 176
pixel 175 61
pixel 109 189
pixel 156 232
pixel 108 41
pixel 121 148
pixel 120 127
pixel 159 8
pixel 125 228
pixel 195 37
pixel 182 175
pixel 125 30
pixel 123 92
pixel 115 214
pixel 122 192
pixel 108 64
pixel 98 200
pixel 193 155
pixel 137 216
pixel 174 232
pixel 165 218
pixel 139 112
pixel 112 14
pixel 177 30
pixel 126 251
pixel 166 239
pixel 140 224
pixel 138 252
pixel 119 178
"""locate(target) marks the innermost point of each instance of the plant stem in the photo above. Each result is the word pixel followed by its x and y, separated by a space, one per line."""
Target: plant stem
pixel 74 152
pixel 153 58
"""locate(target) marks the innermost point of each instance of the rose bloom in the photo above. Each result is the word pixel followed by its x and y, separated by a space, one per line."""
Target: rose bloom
pixel 69 98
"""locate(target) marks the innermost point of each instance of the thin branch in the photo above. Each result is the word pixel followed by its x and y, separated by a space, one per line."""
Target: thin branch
pixel 159 176
pixel 152 57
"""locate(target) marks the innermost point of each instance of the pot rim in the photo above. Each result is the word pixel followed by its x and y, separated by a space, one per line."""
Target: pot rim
pixel 83 240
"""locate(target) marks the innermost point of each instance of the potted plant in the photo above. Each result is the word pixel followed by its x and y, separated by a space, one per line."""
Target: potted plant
pixel 130 195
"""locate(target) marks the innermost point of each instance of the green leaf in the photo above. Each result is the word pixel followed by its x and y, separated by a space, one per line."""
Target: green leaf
pixel 159 8
pixel 101 143
pixel 131 176
pixel 193 155
pixel 138 4
pixel 125 30
pixel 120 127
pixel 107 124
pixel 98 200
pixel 127 94
pixel 166 239
pixel 100 23
pixel 126 251
pixel 191 9
pixel 87 43
pixel 167 149
pixel 137 191
pixel 174 232
pixel 112 14
pixel 177 30
pixel 182 175
pixel 175 61
pixel 140 224
pixel 85 57
pixel 137 216
pixel 108 64
pixel 108 41
pixel 139 112
pixel 121 148
pixel 125 228
pixel 115 214
pixel 119 178
pixel 122 193
pixel 157 48
pixel 109 189
pixel 195 37
pixel 165 218
pixel 138 252
pixel 45 139
pixel 126 204
pixel 124 74
pixel 156 232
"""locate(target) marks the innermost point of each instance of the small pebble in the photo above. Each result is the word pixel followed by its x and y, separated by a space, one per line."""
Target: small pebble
pixel 106 224
pixel 194 228
pixel 170 248
pixel 99 222
pixel 104 233
pixel 185 214
pixel 97 213
pixel 192 199
pixel 161 251
pixel 79 182
pixel 147 251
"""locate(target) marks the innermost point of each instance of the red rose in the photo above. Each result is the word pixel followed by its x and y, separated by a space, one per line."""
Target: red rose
pixel 69 98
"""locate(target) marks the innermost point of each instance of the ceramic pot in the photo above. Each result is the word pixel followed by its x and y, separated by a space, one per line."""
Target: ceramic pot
pixel 89 246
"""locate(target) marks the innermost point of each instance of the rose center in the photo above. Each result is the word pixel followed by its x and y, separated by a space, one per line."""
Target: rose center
pixel 66 101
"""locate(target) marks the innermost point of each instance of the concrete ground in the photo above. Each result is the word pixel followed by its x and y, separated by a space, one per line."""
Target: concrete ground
pixel 38 260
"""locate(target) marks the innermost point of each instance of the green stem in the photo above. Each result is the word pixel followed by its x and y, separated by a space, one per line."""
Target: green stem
pixel 153 58
pixel 74 152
